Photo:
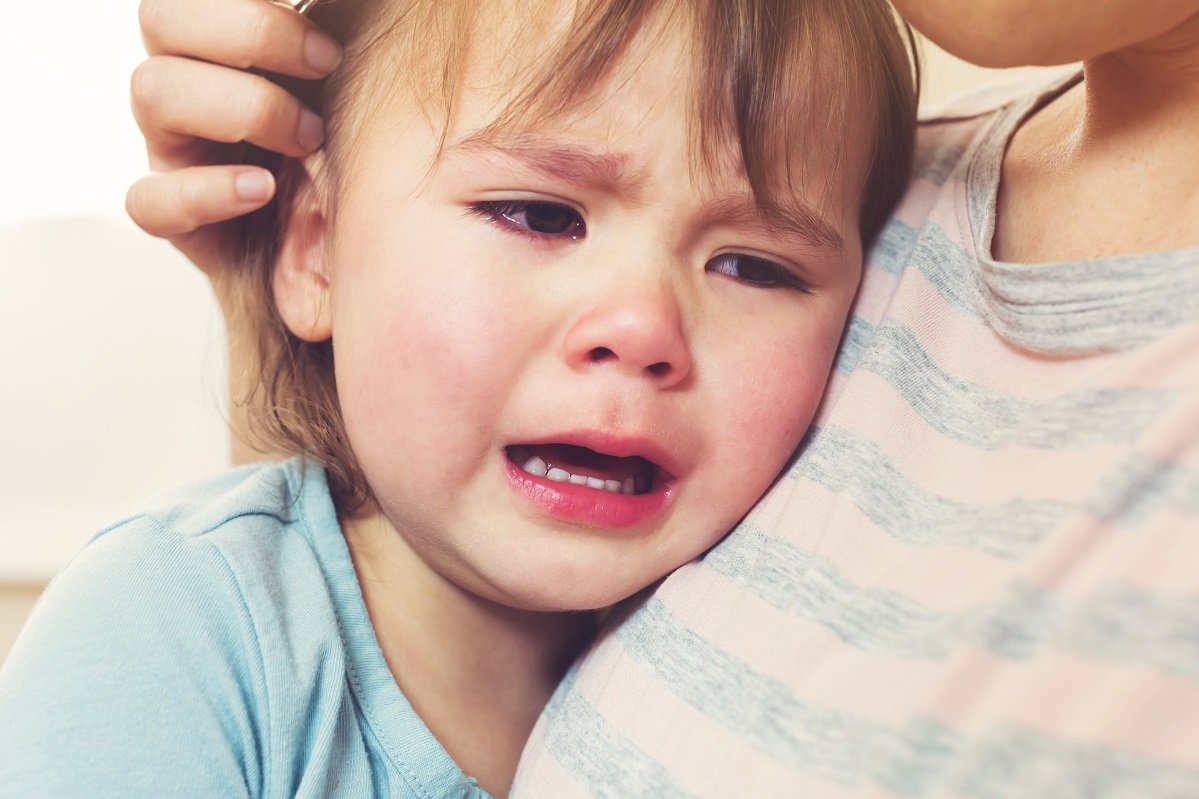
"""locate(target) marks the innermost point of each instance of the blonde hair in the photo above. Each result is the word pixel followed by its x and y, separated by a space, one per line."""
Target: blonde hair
pixel 763 59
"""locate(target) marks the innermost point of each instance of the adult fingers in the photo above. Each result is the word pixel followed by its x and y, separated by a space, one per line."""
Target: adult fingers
pixel 239 33
pixel 178 100
pixel 170 204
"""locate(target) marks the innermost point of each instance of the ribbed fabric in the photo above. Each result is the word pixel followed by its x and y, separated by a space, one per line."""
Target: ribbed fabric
pixel 979 578
pixel 216 645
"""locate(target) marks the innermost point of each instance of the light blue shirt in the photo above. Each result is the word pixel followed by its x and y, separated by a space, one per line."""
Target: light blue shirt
pixel 215 645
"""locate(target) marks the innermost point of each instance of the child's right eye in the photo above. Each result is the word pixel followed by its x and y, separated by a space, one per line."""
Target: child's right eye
pixel 534 218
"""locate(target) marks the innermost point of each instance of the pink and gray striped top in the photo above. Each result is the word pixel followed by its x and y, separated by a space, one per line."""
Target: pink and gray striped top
pixel 980 577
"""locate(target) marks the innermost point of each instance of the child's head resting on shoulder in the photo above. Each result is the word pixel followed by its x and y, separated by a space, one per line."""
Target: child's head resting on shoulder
pixel 560 295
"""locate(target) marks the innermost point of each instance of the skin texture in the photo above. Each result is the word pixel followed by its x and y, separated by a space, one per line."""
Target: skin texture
pixel 1110 167
pixel 457 334
pixel 1009 33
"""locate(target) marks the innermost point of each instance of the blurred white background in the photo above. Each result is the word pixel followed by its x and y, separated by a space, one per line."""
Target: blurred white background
pixel 110 347
pixel 110 344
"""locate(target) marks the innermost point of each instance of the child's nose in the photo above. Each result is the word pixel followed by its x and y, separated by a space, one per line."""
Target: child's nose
pixel 638 331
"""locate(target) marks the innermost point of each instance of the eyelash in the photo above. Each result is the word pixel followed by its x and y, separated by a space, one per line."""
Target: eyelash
pixel 778 276
pixel 505 214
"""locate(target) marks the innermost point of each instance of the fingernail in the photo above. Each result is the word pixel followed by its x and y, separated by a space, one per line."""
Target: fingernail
pixel 310 132
pixel 321 53
pixel 254 186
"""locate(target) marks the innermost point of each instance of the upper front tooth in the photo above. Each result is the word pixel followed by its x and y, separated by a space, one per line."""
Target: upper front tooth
pixel 535 465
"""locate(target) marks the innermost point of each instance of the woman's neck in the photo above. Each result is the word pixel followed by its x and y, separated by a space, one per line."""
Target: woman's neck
pixel 477 672
pixel 1112 166
pixel 1145 91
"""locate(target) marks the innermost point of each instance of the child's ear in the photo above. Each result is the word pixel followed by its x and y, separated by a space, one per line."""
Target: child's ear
pixel 301 276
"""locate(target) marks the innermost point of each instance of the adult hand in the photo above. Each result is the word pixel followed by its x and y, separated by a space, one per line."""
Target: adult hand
pixel 194 97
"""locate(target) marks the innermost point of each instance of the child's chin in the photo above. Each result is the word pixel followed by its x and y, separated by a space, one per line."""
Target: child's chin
pixel 551 596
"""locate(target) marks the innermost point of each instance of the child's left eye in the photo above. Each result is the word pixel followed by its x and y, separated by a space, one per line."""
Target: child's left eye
pixel 756 271
pixel 536 218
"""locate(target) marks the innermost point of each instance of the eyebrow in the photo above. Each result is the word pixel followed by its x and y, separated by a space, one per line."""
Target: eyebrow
pixel 613 172
pixel 568 163
pixel 789 215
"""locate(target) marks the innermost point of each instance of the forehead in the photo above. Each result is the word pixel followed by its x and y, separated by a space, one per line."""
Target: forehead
pixel 516 68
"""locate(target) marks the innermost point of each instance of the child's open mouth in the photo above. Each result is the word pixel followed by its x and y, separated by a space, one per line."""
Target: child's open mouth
pixel 600 490
pixel 567 463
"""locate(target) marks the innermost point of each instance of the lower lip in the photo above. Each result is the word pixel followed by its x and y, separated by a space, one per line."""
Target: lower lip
pixel 589 506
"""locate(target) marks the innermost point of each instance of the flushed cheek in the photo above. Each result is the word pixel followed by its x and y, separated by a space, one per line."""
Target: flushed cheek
pixel 421 375
pixel 783 405
pixel 761 423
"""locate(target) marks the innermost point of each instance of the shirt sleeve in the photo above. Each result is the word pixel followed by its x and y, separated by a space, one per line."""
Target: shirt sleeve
pixel 137 675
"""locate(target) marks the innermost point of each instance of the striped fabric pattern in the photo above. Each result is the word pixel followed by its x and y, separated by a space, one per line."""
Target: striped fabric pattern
pixel 980 577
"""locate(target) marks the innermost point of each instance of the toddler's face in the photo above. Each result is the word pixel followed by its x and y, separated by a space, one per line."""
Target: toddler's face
pixel 569 361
